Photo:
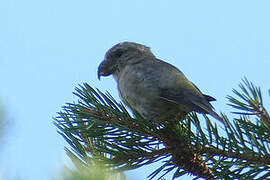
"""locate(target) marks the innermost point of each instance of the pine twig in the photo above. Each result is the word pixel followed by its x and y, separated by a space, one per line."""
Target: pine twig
pixel 97 127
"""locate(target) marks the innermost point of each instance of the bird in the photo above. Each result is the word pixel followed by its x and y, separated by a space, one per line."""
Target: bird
pixel 157 90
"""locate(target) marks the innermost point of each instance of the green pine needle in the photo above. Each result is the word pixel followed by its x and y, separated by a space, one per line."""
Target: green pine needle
pixel 97 128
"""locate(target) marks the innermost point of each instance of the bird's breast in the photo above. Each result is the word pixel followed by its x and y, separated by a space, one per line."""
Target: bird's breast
pixel 135 87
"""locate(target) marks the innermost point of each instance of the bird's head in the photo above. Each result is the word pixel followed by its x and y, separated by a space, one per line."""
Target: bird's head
pixel 120 55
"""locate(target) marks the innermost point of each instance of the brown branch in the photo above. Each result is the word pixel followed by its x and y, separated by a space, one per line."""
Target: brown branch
pixel 265 116
pixel 261 111
pixel 185 155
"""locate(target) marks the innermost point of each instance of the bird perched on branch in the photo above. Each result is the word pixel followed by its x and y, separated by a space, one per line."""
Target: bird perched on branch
pixel 156 89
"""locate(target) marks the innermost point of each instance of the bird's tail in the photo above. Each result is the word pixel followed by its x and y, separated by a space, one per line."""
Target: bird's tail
pixel 207 108
pixel 215 115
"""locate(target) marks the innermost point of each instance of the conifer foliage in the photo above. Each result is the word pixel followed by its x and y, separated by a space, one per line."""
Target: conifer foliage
pixel 100 130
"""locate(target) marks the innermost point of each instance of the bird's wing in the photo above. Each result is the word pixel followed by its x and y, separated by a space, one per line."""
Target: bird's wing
pixel 188 96
pixel 180 90
pixel 175 87
pixel 191 101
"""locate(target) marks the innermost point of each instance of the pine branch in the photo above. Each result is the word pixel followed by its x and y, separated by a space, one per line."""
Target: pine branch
pixel 252 102
pixel 97 127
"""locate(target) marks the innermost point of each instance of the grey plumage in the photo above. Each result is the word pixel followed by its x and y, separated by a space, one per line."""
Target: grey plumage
pixel 156 89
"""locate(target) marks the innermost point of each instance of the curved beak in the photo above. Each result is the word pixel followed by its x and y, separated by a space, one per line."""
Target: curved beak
pixel 104 69
pixel 100 70
pixel 99 75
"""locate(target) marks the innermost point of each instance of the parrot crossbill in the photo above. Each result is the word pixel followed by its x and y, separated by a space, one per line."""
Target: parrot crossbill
pixel 155 89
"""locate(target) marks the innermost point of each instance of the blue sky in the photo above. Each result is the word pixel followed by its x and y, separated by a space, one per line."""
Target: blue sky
pixel 49 47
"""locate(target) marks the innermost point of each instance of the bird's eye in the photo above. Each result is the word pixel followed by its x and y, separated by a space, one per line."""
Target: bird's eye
pixel 119 53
